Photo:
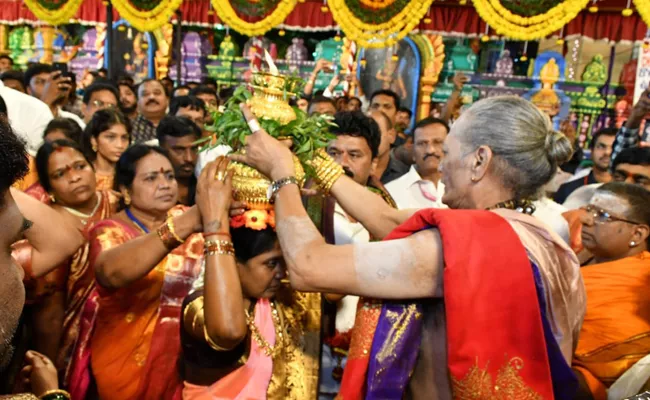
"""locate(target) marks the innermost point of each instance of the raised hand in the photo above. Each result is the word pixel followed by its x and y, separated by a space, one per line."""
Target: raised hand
pixel 214 195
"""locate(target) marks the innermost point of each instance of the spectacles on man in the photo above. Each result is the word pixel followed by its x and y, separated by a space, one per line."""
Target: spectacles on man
pixel 623 176
pixel 102 105
pixel 601 216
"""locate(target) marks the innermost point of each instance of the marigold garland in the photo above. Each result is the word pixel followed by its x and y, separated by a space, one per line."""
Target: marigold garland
pixel 147 20
pixel 643 7
pixel 54 16
pixel 518 27
pixel 382 34
pixel 229 17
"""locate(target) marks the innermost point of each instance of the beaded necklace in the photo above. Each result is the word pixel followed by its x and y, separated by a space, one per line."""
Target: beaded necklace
pixel 269 351
pixel 524 206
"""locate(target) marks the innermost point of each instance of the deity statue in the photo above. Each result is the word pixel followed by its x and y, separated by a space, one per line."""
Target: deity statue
pixel 296 52
pixel 549 74
pixel 44 44
pixel 390 75
pixel 163 36
pixel 546 98
pixel 595 72
pixel 227 48
pixel 99 44
pixel 505 65
pixel 138 66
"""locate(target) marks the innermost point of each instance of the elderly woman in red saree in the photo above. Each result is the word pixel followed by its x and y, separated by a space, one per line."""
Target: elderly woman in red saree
pixel 616 331
pixel 67 175
pixel 494 298
pixel 145 259
pixel 245 335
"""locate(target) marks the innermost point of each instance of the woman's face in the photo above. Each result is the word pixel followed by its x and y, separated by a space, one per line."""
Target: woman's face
pixel 71 177
pixel 261 276
pixel 154 187
pixel 111 143
pixel 609 238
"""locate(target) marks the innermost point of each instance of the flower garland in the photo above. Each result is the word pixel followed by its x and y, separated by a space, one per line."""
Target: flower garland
pixel 643 7
pixel 378 35
pixel 143 19
pixel 370 13
pixel 254 8
pixel 518 27
pixel 54 12
pixel 228 16
pixel 529 8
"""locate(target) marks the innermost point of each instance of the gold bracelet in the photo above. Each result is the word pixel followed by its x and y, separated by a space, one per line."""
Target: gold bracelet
pixel 172 230
pixel 165 235
pixel 219 247
pixel 56 394
pixel 326 169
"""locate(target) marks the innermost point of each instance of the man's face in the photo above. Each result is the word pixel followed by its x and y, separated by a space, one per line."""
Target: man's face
pixel 128 99
pixel 402 120
pixel 303 104
pixel 602 152
pixel 324 107
pixel 37 84
pixel 12 291
pixel 388 135
pixel 354 105
pixel 5 65
pixel 209 99
pixel 386 104
pixel 427 147
pixel 15 85
pixel 152 99
pixel 183 153
pixel 633 173
pixel 354 155
pixel 100 100
pixel 195 115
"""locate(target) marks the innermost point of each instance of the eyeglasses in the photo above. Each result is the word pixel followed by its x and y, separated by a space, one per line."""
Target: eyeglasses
pixel 601 216
pixel 623 176
pixel 102 105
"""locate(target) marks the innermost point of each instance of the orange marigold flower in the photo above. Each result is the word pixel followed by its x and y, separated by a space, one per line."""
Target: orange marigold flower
pixel 271 219
pixel 237 221
pixel 256 219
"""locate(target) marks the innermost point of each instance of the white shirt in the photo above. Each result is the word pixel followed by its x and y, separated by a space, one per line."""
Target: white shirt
pixel 28 116
pixel 66 114
pixel 550 213
pixel 409 190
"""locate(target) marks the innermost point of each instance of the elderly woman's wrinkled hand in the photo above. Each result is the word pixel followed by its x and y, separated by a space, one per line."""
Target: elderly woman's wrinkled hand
pixel 264 153
pixel 214 192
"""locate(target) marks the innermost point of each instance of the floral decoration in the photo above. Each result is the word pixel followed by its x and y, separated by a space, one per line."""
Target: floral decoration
pixel 228 15
pixel 54 12
pixel 257 220
pixel 146 15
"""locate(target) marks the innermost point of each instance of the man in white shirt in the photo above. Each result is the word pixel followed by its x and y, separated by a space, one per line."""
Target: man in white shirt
pixel 27 115
pixel 421 186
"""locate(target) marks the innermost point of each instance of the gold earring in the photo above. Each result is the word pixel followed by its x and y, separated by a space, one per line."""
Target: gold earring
pixel 127 199
pixel 94 147
pixel 52 198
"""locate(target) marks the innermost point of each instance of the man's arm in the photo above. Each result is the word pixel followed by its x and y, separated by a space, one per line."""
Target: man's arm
pixel 628 135
pixel 53 239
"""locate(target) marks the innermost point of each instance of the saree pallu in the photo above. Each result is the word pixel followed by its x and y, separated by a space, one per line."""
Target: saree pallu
pixel 498 346
pixel 616 331
pixel 80 288
pixel 251 380
pixel 135 343
pixel 104 182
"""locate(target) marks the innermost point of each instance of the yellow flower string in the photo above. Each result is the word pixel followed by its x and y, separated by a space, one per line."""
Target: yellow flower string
pixel 229 17
pixel 378 35
pixel 643 7
pixel 539 26
pixel 63 15
pixel 147 21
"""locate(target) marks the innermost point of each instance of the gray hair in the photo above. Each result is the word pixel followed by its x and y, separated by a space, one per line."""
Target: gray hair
pixel 527 149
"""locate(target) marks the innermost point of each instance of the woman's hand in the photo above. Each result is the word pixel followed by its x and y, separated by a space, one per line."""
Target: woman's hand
pixel 39 373
pixel 264 153
pixel 214 195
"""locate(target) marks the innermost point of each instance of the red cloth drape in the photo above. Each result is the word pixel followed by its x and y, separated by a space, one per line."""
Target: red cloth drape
pixel 449 18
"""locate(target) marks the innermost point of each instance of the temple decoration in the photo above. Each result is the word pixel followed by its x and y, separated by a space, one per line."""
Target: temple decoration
pixel 377 24
pixel 548 70
pixel 643 7
pixel 54 12
pixel 627 79
pixel 147 15
pixel 21 43
pixel 433 56
pixel 227 10
pixel 269 101
pixel 163 36
pixel 528 19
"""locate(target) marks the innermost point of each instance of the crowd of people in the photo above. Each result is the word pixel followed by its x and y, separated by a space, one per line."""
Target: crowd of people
pixel 475 254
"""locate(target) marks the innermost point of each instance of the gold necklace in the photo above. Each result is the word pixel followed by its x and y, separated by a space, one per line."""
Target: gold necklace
pixel 524 206
pixel 269 350
pixel 83 216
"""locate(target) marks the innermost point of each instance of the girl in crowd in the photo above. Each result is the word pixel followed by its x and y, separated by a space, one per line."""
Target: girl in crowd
pixel 66 173
pixel 614 335
pixel 241 335
pixel 145 259
pixel 104 140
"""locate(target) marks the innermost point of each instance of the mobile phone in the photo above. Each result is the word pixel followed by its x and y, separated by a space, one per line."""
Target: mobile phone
pixel 63 67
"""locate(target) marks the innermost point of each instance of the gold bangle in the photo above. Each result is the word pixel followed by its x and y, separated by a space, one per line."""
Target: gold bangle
pixel 211 342
pixel 219 247
pixel 166 237
pixel 172 230
pixel 56 394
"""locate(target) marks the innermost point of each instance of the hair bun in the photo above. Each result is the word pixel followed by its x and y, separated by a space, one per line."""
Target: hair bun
pixel 558 147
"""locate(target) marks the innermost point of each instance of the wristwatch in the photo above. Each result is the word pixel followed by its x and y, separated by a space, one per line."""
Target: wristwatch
pixel 277 185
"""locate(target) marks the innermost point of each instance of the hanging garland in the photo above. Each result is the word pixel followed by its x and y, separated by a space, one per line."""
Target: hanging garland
pixel 54 12
pixel 147 15
pixel 528 8
pixel 228 16
pixel 533 27
pixel 643 7
pixel 254 8
pixel 380 27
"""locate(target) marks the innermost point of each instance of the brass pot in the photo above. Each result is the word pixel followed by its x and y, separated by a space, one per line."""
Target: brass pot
pixel 251 186
pixel 268 99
